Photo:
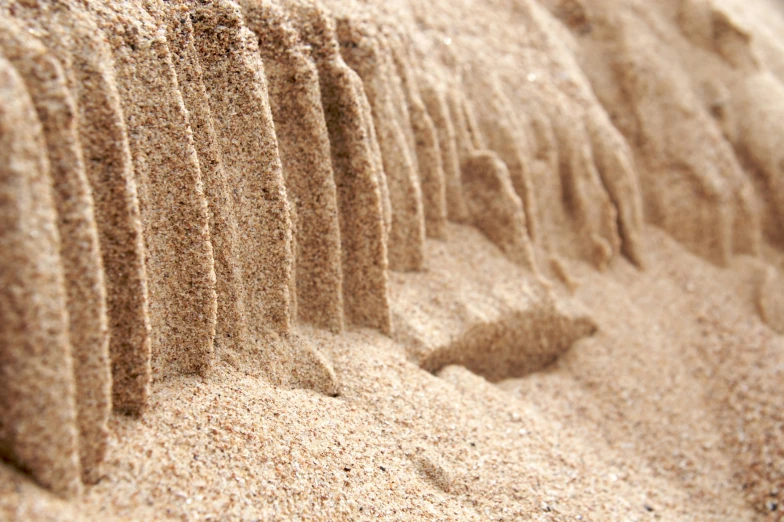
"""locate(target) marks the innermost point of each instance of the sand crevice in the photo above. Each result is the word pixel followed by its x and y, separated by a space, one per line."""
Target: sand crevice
pixel 426 142
pixel 435 100
pixel 495 207
pixel 233 75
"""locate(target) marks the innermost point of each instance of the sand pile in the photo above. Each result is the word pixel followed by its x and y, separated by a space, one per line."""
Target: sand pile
pixel 508 260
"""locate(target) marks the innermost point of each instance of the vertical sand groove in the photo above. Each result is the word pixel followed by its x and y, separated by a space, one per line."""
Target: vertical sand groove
pixel 264 275
pixel 277 184
pixel 234 77
pixel 426 143
pixel 584 196
pixel 230 326
pixel 472 127
pixel 744 99
pixel 504 136
pixel 295 98
pixel 615 164
pixel 390 73
pixel 80 250
pixel 357 177
pixel 377 160
pixel 546 179
pixel 173 206
pixel 38 425
pixel 696 207
pixel 463 137
pixel 70 34
pixel 438 109
pixel 675 104
pixel 759 106
pixel 363 54
pixel 495 207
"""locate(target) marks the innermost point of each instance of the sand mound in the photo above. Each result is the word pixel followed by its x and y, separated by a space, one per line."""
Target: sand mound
pixel 267 259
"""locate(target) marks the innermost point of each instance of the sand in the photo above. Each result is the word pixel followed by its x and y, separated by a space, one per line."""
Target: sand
pixel 82 267
pixel 494 206
pixel 363 260
pixel 363 52
pixel 295 98
pixel 38 430
pixel 74 39
pixel 173 208
pixel 437 109
pixel 363 196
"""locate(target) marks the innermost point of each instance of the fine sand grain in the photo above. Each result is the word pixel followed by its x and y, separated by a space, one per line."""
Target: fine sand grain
pixel 178 252
pixel 79 247
pixel 73 38
pixel 402 260
pixel 38 426
pixel 295 98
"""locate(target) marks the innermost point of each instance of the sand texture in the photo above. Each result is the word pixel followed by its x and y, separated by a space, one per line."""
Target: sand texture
pixel 438 110
pixel 428 154
pixel 357 170
pixel 230 327
pixel 38 429
pixel 178 252
pixel 364 52
pixel 494 207
pixel 74 40
pixel 80 251
pixel 303 140
pixel 250 156
pixel 402 260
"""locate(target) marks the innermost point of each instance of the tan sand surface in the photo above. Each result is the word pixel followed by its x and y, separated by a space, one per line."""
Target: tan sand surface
pixel 402 260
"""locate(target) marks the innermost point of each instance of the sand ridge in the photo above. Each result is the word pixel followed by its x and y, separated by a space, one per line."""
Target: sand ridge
pixel 178 252
pixel 230 333
pixel 38 430
pixel 426 144
pixel 370 59
pixel 303 140
pixel 358 177
pixel 82 267
pixel 85 57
